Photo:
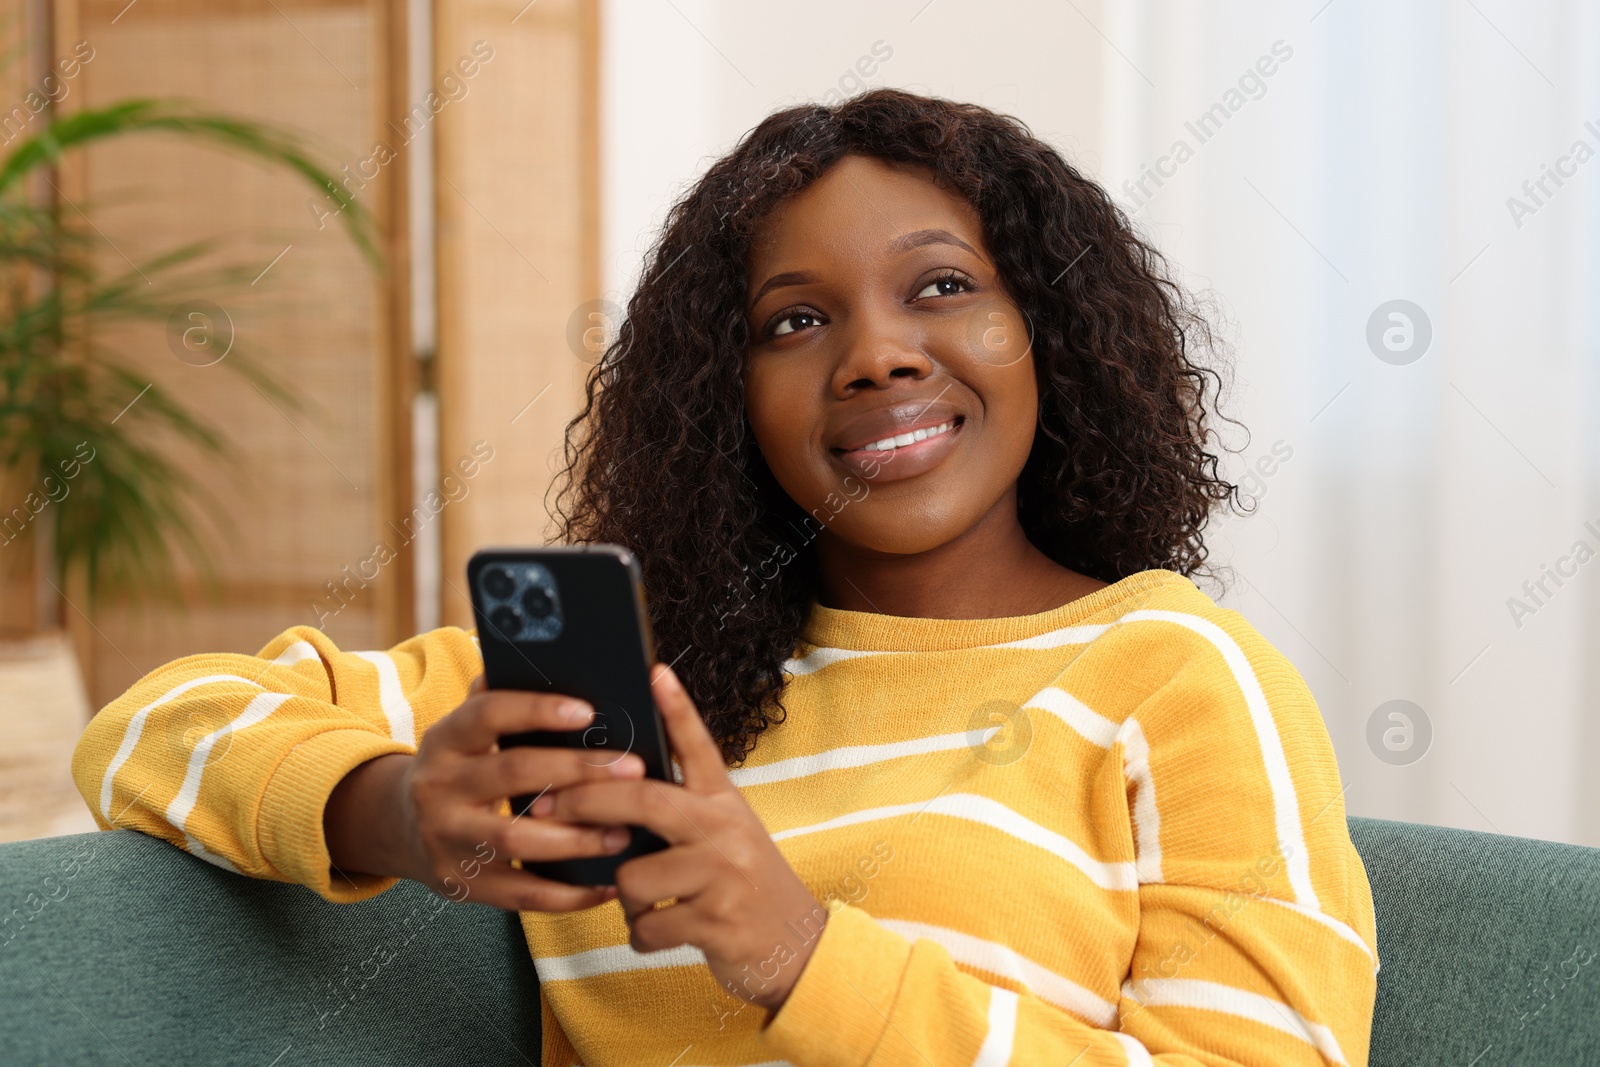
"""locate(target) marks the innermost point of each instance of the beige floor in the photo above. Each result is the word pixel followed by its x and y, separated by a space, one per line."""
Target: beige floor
pixel 43 709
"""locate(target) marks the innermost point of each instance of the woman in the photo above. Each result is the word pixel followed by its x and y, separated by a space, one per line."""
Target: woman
pixel 905 429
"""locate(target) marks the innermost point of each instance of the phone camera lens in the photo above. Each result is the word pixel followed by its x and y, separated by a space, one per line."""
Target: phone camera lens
pixel 497 583
pixel 507 620
pixel 537 603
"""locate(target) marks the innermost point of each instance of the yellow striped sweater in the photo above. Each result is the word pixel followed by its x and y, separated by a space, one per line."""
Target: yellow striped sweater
pixel 1109 833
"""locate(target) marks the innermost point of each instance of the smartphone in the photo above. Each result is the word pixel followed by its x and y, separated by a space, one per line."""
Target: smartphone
pixel 572 621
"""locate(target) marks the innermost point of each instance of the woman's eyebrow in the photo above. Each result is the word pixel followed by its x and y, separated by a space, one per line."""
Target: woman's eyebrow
pixel 916 239
pixel 904 243
pixel 779 281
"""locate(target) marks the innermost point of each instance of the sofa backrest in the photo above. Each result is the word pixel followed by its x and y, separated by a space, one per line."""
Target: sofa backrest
pixel 122 949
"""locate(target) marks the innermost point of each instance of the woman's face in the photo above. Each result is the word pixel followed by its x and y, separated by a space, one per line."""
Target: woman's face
pixel 876 313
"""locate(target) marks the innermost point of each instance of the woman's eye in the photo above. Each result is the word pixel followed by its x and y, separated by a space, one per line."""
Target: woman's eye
pixel 798 320
pixel 946 286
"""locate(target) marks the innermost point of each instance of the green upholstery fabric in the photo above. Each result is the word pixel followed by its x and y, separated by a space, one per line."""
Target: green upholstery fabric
pixel 1490 947
pixel 149 956
pixel 122 949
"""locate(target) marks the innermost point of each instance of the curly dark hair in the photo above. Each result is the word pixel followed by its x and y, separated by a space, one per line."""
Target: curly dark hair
pixel 662 458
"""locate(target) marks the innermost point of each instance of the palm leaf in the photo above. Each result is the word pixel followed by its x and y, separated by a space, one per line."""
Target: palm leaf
pixel 135 116
pixel 129 513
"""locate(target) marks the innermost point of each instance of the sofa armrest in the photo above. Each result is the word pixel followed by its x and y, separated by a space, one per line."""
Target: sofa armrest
pixel 1490 946
pixel 116 947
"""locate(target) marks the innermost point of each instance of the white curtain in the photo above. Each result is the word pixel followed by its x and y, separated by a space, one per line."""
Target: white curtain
pixel 1427 545
pixel 1385 160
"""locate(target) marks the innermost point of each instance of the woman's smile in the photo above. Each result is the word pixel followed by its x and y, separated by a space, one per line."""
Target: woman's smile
pixel 900 441
pixel 907 438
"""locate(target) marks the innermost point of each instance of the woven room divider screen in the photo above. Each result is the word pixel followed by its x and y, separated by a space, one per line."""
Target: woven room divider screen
pixel 18 70
pixel 310 492
pixel 518 208
pixel 512 102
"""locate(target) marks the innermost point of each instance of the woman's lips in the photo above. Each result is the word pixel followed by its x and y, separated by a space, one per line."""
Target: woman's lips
pixel 897 462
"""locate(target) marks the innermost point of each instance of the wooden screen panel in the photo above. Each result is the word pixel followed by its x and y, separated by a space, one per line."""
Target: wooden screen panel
pixel 313 493
pixel 517 195
pixel 26 54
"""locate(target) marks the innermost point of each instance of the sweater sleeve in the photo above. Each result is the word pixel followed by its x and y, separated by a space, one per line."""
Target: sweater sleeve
pixel 232 757
pixel 556 1050
pixel 1255 943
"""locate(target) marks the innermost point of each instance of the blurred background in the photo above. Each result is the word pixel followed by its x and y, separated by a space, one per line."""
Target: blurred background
pixel 378 290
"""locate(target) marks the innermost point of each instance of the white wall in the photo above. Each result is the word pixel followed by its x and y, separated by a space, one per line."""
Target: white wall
pixel 684 79
pixel 1374 164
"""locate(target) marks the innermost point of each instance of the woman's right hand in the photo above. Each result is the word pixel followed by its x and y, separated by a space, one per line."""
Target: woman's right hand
pixel 451 833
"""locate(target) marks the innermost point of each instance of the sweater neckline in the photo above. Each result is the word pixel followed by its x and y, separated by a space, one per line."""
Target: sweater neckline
pixel 865 631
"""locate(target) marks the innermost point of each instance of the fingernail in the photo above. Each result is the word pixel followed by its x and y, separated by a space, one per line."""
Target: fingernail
pixel 627 767
pixel 576 711
pixel 544 805
pixel 615 838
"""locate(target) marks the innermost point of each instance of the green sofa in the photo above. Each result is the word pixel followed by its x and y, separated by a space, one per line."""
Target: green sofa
pixel 120 949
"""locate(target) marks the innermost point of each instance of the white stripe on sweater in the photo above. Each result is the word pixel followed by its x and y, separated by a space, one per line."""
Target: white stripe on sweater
pixel 195 848
pixel 819 658
pixel 1006 962
pixel 392 697
pixel 1214 996
pixel 295 653
pixel 183 804
pixel 1067 635
pixel 612 959
pixel 135 728
pixel 1138 1055
pixel 1285 803
pixel 850 756
pixel 991 813
pixel 996 1050
pixel 1093 726
pixel 1069 709
pixel 1322 917
pixel 1146 816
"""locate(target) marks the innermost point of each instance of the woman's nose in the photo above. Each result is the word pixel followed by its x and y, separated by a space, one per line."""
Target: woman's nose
pixel 876 354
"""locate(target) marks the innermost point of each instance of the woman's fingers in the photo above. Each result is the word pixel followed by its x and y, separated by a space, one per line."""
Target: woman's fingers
pixel 655 929
pixel 698 754
pixel 505 838
pixel 522 770
pixel 477 725
pixel 504 886
pixel 473 852
pixel 667 809
pixel 674 873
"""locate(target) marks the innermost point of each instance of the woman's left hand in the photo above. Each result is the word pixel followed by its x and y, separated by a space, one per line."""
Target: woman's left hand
pixel 737 899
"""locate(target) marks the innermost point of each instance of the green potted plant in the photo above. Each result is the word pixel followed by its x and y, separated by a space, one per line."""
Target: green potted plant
pixel 92 494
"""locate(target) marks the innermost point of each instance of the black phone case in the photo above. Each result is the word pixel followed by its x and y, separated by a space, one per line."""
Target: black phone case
pixel 602 654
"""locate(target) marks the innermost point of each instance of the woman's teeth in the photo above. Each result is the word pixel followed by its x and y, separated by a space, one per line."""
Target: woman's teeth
pixel 901 440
